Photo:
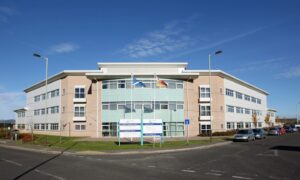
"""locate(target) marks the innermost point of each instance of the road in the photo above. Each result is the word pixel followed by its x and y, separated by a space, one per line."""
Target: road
pixel 273 158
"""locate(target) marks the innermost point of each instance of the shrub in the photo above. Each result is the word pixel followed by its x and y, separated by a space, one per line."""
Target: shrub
pixel 26 137
pixel 224 133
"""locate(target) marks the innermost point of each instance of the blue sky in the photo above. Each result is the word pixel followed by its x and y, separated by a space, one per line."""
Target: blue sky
pixel 260 41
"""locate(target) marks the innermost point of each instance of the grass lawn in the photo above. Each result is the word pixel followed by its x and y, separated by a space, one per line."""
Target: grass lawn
pixel 72 143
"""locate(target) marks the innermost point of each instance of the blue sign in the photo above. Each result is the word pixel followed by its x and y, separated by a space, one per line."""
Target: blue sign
pixel 187 121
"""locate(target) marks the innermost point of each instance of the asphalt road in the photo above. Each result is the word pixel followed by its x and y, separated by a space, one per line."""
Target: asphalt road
pixel 273 158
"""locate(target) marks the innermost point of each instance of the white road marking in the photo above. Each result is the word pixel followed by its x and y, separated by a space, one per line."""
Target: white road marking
pixel 213 174
pixel 187 170
pixel 48 174
pixel 241 177
pixel 213 170
pixel 12 162
pixel 275 152
pixel 151 166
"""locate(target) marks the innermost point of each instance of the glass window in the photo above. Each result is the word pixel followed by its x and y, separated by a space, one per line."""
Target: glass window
pixel 54 126
pixel 43 96
pixel 113 85
pixel 247 97
pixel 258 101
pixel 79 111
pixel 179 106
pixel 171 85
pixel 105 106
pixel 179 85
pixel 172 107
pixel 230 125
pixel 230 108
pixel 229 92
pixel 36 98
pixel 247 111
pixel 164 106
pixel 238 95
pixel 253 99
pixel 204 110
pixel 113 106
pixel 239 110
pixel 247 124
pixel 205 92
pixel 104 85
pixel 121 84
pixel 79 93
pixel 79 127
pixel 240 125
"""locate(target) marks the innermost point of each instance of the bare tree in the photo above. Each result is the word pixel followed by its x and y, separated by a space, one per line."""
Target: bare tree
pixel 254 119
pixel 267 119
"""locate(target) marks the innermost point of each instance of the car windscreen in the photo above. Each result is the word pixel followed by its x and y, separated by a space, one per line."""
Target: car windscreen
pixel 242 132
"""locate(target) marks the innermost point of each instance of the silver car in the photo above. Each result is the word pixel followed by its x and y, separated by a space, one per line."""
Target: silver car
pixel 244 135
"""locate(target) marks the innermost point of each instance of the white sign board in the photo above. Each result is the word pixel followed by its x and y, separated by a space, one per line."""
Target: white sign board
pixel 152 127
pixel 130 128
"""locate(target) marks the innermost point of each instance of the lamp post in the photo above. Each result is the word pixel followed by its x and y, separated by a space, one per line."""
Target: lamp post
pixel 46 91
pixel 298 114
pixel 210 90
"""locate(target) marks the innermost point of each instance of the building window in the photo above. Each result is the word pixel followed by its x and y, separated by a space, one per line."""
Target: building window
pixel 205 129
pixel 43 96
pixel 21 114
pixel 247 111
pixel 121 84
pixel 258 101
pixel 204 92
pixel 179 106
pixel 259 124
pixel 230 109
pixel 173 129
pixel 79 111
pixel 239 110
pixel 36 98
pixel 229 92
pixel 54 109
pixel 247 97
pixel 230 125
pixel 79 127
pixel 36 112
pixel 79 93
pixel 204 110
pixel 36 126
pixel 109 129
pixel 240 125
pixel 253 99
pixel 247 124
pixel 54 126
pixel 43 111
pixel 238 95
pixel 164 106
pixel 179 85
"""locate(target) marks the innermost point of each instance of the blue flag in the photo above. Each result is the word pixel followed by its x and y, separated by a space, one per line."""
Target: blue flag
pixel 137 83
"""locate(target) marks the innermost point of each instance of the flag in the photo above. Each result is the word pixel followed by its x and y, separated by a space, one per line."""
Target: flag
pixel 137 83
pixel 161 83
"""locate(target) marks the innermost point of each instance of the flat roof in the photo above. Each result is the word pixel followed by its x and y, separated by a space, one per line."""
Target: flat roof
pixel 228 76
pixel 139 64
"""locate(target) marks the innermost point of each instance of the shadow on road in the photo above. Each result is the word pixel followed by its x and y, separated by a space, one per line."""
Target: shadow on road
pixel 44 162
pixel 287 148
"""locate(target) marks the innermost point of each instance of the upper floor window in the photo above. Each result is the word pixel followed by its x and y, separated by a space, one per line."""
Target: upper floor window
pixel 238 95
pixel 79 111
pixel 230 109
pixel 21 114
pixel 247 97
pixel 205 92
pixel 229 92
pixel 239 110
pixel 258 101
pixel 37 98
pixel 253 99
pixel 247 111
pixel 79 92
pixel 205 110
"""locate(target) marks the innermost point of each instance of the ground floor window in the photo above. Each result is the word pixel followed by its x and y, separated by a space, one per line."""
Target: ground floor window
pixel 247 124
pixel 240 125
pixel 259 124
pixel 109 129
pixel 54 126
pixel 230 125
pixel 36 126
pixel 80 127
pixel 173 129
pixel 21 126
pixel 205 129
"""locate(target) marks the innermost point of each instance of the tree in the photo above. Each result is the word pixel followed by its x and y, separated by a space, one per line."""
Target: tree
pixel 277 119
pixel 254 119
pixel 267 119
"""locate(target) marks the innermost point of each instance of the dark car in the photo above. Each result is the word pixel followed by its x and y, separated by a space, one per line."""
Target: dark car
pixel 259 133
pixel 288 129
pixel 244 135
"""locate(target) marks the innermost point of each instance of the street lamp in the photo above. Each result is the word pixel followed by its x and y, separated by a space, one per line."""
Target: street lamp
pixel 46 91
pixel 210 90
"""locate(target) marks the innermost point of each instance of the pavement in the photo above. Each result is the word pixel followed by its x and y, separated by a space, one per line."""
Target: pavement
pixel 272 158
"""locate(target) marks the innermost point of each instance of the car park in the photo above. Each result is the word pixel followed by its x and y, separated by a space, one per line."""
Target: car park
pixel 244 135
pixel 259 133
pixel 288 129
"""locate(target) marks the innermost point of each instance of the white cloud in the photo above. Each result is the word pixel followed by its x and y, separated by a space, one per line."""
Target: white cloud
pixel 10 101
pixel 63 48
pixel 5 12
pixel 168 39
pixel 291 73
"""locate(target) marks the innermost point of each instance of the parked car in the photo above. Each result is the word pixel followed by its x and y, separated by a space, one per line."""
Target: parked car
pixel 244 135
pixel 274 131
pixel 295 129
pixel 259 133
pixel 288 129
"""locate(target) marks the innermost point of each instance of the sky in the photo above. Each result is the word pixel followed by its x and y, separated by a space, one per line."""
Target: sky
pixel 259 39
